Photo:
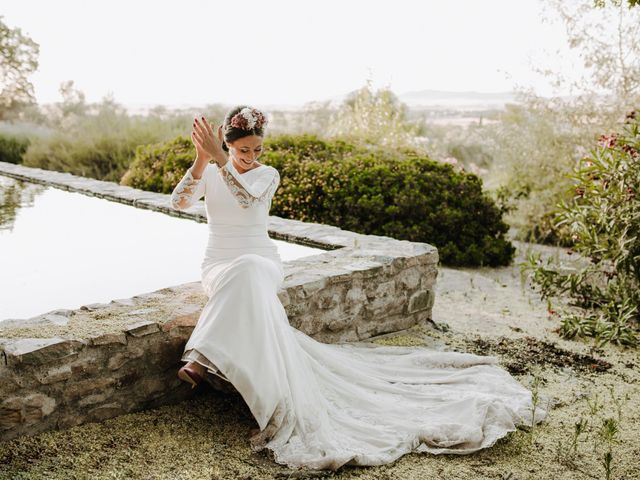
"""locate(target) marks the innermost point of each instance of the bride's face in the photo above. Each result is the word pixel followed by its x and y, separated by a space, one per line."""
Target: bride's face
pixel 246 150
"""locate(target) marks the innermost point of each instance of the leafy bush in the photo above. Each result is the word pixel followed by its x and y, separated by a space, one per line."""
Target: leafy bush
pixel 159 167
pixel 368 191
pixel 534 148
pixel 104 158
pixel 12 148
pixel 603 219
pixel 98 140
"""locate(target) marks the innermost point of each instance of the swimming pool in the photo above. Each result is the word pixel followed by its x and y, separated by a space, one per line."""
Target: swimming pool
pixel 63 249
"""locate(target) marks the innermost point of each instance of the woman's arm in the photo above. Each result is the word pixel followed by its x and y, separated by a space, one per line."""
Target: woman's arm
pixel 191 187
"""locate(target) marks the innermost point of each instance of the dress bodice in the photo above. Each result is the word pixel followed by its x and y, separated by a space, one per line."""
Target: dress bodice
pixel 237 206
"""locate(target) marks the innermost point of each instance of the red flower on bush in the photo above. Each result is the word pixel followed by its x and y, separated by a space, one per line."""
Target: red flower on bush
pixel 630 150
pixel 608 141
pixel 630 116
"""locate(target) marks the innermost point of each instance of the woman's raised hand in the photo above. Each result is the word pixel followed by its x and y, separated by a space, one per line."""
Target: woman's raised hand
pixel 207 144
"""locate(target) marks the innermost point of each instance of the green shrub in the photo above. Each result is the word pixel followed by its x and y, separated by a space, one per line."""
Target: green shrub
pixel 410 198
pixel 105 157
pixel 159 167
pixel 100 144
pixel 309 147
pixel 368 191
pixel 12 148
pixel 603 219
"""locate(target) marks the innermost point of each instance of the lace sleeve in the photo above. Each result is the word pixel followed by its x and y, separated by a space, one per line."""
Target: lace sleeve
pixel 188 191
pixel 249 194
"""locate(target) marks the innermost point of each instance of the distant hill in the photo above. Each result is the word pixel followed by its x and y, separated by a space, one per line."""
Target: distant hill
pixel 471 99
pixel 415 100
pixel 442 99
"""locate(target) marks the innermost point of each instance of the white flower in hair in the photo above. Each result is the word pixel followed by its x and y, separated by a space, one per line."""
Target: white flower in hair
pixel 248 114
pixel 248 119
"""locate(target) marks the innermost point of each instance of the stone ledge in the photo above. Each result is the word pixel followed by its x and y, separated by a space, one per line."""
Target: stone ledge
pixel 68 367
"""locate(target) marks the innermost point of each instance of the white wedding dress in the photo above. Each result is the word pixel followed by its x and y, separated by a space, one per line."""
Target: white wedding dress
pixel 318 405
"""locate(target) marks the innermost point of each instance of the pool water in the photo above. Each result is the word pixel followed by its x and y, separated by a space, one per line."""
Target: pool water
pixel 61 249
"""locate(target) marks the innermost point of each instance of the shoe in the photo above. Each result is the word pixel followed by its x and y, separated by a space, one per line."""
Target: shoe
pixel 189 375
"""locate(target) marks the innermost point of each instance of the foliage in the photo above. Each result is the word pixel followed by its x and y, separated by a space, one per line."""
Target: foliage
pixel 371 191
pixel 313 118
pixel 99 140
pixel 371 118
pixel 12 148
pixel 603 430
pixel 99 145
pixel 606 40
pixel 18 60
pixel 159 167
pixel 534 147
pixel 311 147
pixel 536 143
pixel 603 219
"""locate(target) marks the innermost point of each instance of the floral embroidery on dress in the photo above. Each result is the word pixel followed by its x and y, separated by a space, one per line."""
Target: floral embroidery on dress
pixel 245 198
pixel 183 195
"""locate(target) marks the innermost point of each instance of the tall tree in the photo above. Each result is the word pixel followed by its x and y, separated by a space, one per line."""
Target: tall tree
pixel 607 39
pixel 539 140
pixel 18 60
pixel 373 118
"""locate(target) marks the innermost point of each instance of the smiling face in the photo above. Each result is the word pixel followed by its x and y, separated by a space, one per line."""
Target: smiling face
pixel 245 151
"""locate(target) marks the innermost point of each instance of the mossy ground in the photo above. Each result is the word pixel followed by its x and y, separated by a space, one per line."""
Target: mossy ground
pixel 206 437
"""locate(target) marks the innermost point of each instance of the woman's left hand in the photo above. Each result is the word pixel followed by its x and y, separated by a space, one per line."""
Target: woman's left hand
pixel 206 141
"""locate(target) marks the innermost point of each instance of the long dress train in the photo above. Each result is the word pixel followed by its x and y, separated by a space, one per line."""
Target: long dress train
pixel 321 405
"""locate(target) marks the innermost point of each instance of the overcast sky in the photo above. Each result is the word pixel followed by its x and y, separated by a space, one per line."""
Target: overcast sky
pixel 283 52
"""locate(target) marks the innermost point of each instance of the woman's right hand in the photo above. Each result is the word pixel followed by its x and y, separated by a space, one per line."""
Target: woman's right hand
pixel 207 144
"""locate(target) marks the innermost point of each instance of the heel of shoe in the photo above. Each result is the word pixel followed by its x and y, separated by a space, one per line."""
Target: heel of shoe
pixel 189 376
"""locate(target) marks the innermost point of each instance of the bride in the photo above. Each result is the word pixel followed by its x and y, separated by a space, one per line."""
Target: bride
pixel 318 405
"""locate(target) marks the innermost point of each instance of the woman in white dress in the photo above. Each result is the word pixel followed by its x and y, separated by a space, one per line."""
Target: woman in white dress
pixel 318 405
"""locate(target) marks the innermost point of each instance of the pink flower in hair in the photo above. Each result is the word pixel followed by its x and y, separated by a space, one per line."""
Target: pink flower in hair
pixel 248 119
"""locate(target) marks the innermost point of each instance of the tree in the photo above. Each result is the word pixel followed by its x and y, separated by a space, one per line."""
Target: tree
pixel 73 100
pixel 539 141
pixel 373 118
pixel 18 60
pixel 607 41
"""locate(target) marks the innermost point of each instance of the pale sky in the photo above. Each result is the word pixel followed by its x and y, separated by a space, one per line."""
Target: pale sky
pixel 283 52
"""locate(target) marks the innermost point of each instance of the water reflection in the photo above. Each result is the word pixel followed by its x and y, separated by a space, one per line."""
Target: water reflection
pixel 15 194
pixel 61 249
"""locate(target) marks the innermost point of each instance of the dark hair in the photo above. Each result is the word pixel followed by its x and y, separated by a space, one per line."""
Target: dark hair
pixel 231 133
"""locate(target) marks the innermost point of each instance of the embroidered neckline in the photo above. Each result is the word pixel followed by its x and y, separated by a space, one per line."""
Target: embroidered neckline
pixel 256 168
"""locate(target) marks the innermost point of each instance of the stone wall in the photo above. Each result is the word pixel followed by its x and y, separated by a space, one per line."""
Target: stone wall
pixel 68 367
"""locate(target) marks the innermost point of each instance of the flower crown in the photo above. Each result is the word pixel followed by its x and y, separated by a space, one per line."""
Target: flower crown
pixel 248 119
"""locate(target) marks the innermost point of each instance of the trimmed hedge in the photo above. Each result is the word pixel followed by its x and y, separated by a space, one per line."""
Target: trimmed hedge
pixel 404 196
